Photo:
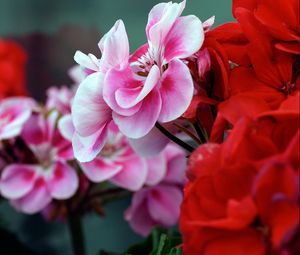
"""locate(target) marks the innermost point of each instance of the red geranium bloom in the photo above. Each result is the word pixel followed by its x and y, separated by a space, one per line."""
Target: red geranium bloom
pixel 242 197
pixel 270 78
pixel 280 19
pixel 12 69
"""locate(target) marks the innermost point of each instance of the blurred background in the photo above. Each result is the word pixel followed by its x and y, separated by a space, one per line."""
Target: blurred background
pixel 51 31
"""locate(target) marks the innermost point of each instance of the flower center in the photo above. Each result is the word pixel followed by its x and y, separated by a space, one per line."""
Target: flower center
pixel 44 154
pixel 144 64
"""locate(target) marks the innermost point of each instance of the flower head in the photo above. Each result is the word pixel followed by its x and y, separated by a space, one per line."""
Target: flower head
pixel 32 186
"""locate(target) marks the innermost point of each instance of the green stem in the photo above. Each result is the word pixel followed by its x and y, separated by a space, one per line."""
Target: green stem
pixel 76 232
pixel 200 132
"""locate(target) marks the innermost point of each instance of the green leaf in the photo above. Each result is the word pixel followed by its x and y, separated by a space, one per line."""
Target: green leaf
pixel 175 251
pixel 160 242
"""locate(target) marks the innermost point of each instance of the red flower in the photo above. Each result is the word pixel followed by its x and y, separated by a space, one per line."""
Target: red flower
pixel 280 19
pixel 265 76
pixel 210 71
pixel 242 197
pixel 12 69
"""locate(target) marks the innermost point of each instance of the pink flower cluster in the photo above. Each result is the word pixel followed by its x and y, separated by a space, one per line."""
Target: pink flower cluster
pixel 30 186
pixel 45 171
pixel 108 125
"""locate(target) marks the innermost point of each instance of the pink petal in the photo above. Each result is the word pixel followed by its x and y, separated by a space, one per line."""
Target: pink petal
pixel 185 38
pixel 61 147
pixel 86 148
pixel 115 80
pixel 207 24
pixel 17 180
pixel 59 99
pixel 66 127
pixel 34 131
pixel 115 47
pixel 139 53
pixel 133 173
pixel 157 168
pixel 36 200
pixel 50 125
pixel 89 111
pixel 138 215
pixel 164 204
pixel 150 144
pixel 14 112
pixel 129 97
pixel 63 182
pixel 85 61
pixel 176 91
pixel 160 21
pixel 176 164
pixel 99 170
pixel 65 151
pixel 140 124
pixel 77 74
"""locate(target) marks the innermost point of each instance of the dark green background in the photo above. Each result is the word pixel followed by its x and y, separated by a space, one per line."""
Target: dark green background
pixel 21 17
pixel 24 16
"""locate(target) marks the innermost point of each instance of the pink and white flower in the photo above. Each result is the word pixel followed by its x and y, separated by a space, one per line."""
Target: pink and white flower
pixel 156 85
pixel 158 204
pixel 31 187
pixel 153 84
pixel 14 112
pixel 91 115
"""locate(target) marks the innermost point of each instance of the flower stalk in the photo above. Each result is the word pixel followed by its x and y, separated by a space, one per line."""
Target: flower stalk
pixel 76 233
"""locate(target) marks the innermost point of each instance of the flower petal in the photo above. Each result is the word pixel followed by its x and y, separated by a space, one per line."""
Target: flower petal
pixel 176 164
pixel 63 182
pixel 99 170
pixel 161 19
pixel 17 180
pixel 86 148
pixel 184 39
pixel 14 112
pixel 85 61
pixel 115 47
pixel 157 167
pixel 164 204
pixel 150 144
pixel 115 80
pixel 66 127
pixel 176 91
pixel 133 173
pixel 138 215
pixel 89 111
pixel 141 123
pixel 127 97
pixel 36 200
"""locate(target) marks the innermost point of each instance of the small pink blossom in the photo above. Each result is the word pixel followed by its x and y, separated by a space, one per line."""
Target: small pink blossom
pixel 31 187
pixel 14 112
pixel 118 163
pixel 158 204
pixel 60 99
pixel 156 85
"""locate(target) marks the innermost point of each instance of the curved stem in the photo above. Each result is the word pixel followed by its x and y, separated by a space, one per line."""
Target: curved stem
pixel 174 138
pixel 77 235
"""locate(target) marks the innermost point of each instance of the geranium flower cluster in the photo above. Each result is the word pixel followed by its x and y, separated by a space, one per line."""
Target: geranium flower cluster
pixel 243 191
pixel 228 95
pixel 39 172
